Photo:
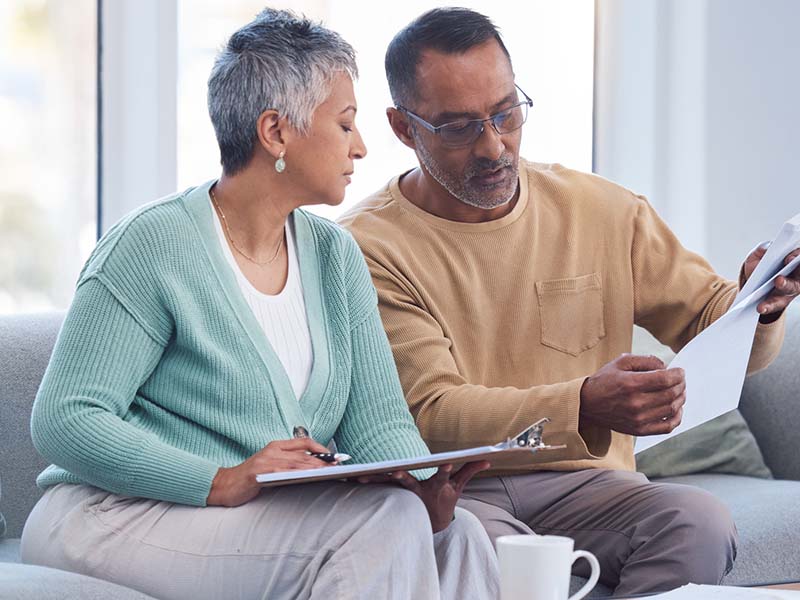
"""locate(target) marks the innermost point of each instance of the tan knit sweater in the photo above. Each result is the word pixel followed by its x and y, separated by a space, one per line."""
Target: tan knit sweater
pixel 494 325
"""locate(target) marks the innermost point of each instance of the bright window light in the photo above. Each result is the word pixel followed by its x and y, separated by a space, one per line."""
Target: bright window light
pixel 48 151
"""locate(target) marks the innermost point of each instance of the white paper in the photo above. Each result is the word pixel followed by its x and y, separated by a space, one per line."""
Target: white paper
pixel 783 244
pixel 715 361
pixel 709 592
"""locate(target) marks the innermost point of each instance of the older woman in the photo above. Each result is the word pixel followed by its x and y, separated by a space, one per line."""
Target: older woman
pixel 208 329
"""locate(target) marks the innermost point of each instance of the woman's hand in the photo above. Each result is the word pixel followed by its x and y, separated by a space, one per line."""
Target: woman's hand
pixel 237 485
pixel 441 492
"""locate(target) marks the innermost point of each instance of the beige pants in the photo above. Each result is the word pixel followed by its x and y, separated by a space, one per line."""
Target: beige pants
pixel 327 540
pixel 647 536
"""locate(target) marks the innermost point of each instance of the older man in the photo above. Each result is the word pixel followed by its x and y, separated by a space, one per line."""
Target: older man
pixel 509 291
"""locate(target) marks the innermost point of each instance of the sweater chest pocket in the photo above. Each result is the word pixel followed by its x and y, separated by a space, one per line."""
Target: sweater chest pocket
pixel 571 313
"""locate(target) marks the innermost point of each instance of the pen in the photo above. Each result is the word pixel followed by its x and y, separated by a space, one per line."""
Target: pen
pixel 330 456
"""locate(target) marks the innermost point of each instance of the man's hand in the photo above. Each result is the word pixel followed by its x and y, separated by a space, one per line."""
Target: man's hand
pixel 439 493
pixel 786 288
pixel 636 395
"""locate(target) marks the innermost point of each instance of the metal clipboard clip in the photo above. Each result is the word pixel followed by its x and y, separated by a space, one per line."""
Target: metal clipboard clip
pixel 530 438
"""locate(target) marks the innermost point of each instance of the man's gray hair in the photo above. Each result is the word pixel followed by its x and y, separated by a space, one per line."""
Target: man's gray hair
pixel 278 61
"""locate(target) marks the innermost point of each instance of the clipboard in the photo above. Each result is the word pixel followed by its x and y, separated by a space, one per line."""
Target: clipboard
pixel 529 441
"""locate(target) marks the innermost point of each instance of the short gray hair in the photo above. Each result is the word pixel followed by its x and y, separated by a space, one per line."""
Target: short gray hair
pixel 278 61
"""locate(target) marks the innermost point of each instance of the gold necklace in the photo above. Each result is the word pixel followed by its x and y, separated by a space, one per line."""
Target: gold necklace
pixel 230 237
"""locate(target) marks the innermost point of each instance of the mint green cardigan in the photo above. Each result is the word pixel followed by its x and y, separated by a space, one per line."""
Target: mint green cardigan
pixel 161 374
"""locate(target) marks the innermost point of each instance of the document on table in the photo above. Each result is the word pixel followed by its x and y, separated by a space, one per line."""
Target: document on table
pixel 528 441
pixel 723 592
pixel 715 361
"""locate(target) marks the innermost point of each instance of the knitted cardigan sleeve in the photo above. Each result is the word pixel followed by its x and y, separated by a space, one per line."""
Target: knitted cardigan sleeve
pixel 101 358
pixel 112 339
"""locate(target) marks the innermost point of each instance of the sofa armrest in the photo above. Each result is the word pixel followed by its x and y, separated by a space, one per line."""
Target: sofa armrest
pixel 770 404
pixel 26 342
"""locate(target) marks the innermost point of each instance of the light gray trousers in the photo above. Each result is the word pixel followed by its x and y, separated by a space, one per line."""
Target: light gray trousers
pixel 648 537
pixel 327 540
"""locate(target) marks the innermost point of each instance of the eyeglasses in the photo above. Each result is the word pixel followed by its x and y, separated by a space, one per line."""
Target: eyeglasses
pixel 463 133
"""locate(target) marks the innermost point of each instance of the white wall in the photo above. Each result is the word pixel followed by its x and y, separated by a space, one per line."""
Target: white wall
pixel 696 106
pixel 753 116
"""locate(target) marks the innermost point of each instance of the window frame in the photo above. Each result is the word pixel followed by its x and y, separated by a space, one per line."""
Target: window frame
pixel 137 62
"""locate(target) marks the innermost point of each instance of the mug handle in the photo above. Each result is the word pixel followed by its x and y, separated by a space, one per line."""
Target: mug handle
pixel 589 586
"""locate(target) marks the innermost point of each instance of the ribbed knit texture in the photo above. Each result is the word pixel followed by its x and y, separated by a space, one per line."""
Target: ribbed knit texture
pixel 160 374
pixel 495 325
pixel 282 316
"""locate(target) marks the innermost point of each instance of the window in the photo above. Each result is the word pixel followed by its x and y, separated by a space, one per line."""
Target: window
pixel 48 156
pixel 49 111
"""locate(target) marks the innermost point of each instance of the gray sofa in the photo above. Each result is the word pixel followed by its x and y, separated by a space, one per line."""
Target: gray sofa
pixel 25 346
pixel 767 511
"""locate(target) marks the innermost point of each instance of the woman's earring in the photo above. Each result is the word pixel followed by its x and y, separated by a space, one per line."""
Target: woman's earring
pixel 280 164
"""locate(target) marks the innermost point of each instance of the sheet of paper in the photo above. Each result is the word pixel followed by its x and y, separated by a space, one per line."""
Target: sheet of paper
pixel 710 592
pixel 715 362
pixel 786 241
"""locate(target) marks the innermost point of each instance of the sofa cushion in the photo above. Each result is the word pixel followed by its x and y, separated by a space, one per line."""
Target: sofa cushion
pixel 769 403
pixel 723 445
pixel 767 515
pixel 29 582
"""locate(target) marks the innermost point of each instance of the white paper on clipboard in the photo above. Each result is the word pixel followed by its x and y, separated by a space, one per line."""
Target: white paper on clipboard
pixel 528 441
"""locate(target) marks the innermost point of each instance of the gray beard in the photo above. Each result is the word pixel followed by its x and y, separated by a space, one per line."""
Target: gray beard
pixel 460 189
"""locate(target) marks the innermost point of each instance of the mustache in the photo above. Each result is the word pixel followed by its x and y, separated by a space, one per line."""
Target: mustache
pixel 482 165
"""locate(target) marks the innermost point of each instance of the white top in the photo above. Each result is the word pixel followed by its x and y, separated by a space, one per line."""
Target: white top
pixel 282 316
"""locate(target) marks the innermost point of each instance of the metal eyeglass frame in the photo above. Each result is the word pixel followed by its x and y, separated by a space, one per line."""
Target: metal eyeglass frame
pixel 436 129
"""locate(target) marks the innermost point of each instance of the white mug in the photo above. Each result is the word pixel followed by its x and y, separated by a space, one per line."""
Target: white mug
pixel 538 567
